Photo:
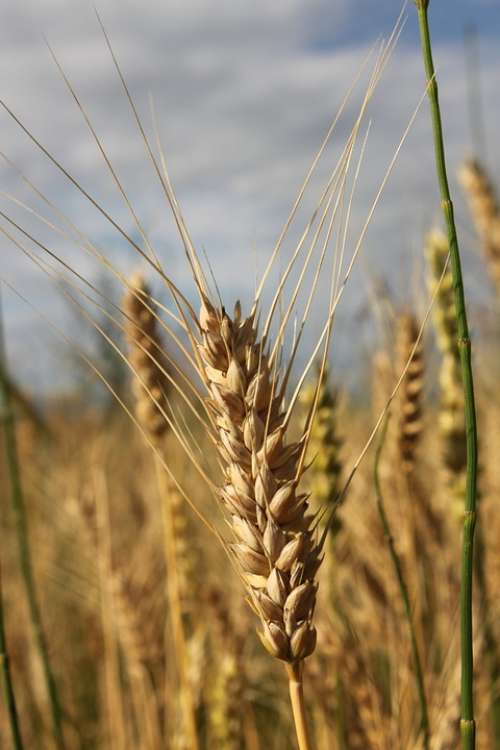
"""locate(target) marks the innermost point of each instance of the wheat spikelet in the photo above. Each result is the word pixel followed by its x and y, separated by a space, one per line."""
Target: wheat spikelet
pixel 323 452
pixel 276 550
pixel 145 353
pixel 410 399
pixel 486 213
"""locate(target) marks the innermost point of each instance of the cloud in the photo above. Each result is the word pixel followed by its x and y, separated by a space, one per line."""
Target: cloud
pixel 244 93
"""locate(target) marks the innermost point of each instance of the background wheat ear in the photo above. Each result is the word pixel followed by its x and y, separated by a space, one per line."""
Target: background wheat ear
pixel 151 389
pixel 485 211
pixel 451 402
pixel 150 385
pixel 409 405
pixel 325 446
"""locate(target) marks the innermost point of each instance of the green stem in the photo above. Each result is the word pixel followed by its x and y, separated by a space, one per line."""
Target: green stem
pixel 464 346
pixel 7 417
pixel 403 590
pixel 6 680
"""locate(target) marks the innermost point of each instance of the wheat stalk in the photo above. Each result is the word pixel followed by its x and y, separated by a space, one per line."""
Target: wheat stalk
pixel 468 727
pixel 6 677
pixel 122 619
pixel 25 557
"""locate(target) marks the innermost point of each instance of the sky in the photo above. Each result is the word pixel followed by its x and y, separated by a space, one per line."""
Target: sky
pixel 244 93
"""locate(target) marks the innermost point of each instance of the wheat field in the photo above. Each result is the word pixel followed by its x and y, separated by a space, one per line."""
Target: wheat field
pixel 212 540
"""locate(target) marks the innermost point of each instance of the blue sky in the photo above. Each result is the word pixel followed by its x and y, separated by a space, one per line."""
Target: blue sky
pixel 244 93
pixel 449 17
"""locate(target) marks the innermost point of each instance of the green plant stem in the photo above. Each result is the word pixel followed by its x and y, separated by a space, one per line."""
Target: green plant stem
pixel 403 590
pixel 6 680
pixel 467 723
pixel 24 550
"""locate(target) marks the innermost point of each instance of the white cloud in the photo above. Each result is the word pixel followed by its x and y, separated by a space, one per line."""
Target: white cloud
pixel 244 96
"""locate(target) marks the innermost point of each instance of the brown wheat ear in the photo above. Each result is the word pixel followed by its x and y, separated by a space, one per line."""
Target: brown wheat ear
pixel 485 212
pixel 275 543
pixel 410 401
pixel 146 359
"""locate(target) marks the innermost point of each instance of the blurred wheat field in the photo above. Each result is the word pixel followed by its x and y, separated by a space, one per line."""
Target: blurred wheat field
pixel 95 531
pixel 211 502
pixel 94 512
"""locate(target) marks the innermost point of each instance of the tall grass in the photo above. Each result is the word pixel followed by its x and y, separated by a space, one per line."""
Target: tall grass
pixel 25 559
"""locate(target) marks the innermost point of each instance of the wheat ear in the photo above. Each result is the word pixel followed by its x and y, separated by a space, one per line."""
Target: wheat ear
pixel 275 545
pixel 486 213
pixel 451 408
pixel 410 400
pixel 151 389
pixel 325 443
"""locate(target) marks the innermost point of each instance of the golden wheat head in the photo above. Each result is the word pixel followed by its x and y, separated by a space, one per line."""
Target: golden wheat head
pixel 275 546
